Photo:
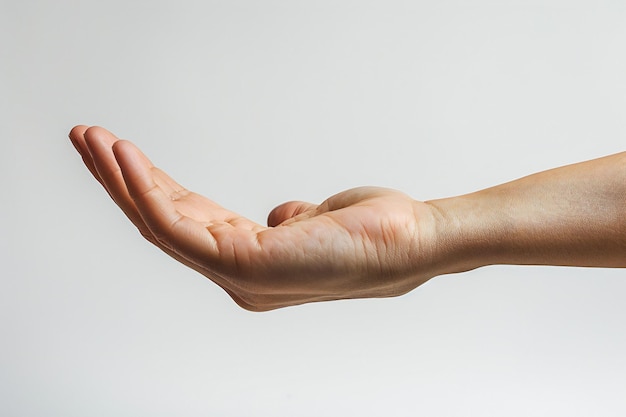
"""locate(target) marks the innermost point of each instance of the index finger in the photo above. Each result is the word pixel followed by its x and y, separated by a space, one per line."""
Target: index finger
pixel 170 227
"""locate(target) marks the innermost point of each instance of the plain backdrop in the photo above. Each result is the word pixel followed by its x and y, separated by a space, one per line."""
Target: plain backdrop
pixel 254 103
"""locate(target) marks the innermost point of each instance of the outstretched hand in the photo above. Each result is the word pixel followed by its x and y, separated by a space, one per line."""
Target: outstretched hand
pixel 367 242
pixel 364 242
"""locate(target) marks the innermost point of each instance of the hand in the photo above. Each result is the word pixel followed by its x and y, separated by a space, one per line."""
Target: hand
pixel 364 242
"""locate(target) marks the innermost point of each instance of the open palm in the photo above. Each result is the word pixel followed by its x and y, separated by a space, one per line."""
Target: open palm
pixel 364 242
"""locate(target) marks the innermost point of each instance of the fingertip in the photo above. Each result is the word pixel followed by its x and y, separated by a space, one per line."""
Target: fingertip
pixel 130 159
pixel 77 131
pixel 120 144
pixel 124 151
pixel 123 147
pixel 287 211
pixel 95 135
pixel 273 219
pixel 76 136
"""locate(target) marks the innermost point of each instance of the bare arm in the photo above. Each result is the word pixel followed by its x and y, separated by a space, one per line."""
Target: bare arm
pixel 366 242
pixel 574 215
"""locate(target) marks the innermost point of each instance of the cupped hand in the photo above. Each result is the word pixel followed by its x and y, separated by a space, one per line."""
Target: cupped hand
pixel 364 242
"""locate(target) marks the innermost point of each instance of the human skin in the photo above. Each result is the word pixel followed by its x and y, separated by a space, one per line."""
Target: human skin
pixel 368 241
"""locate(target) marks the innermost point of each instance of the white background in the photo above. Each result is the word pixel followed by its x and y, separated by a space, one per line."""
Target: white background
pixel 257 102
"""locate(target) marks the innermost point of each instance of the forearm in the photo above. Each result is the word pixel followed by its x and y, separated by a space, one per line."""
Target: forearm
pixel 573 215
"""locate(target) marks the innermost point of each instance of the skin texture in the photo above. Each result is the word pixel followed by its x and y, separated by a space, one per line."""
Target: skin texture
pixel 366 242
pixel 571 216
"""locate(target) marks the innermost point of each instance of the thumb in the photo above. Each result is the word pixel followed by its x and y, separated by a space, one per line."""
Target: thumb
pixel 288 210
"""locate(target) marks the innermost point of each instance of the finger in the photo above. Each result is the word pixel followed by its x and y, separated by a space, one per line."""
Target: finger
pixel 99 143
pixel 115 187
pixel 76 133
pixel 77 138
pixel 96 140
pixel 175 231
pixel 287 211
pixel 95 146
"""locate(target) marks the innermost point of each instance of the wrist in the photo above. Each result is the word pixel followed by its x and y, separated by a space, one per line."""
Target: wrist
pixel 573 215
pixel 466 235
